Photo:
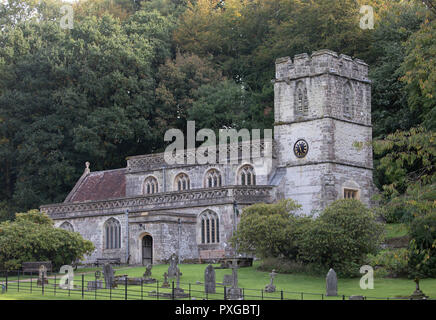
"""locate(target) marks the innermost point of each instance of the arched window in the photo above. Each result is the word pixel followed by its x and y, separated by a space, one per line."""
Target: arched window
pixel 348 101
pixel 112 229
pixel 301 100
pixel 182 182
pixel 213 179
pixel 151 186
pixel 67 226
pixel 210 230
pixel 247 177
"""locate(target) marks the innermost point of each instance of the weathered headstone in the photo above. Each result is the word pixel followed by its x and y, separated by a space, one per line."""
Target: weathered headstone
pixel 234 293
pixel 227 281
pixel 42 277
pixel 109 276
pixel 166 283
pixel 270 288
pixel 172 269
pixel 147 273
pixel 95 285
pixel 209 280
pixel 357 298
pixel 331 284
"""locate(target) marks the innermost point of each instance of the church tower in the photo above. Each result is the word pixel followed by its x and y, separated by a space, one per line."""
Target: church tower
pixel 323 131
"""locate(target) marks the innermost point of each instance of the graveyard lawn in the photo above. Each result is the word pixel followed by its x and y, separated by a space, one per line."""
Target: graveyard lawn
pixel 294 286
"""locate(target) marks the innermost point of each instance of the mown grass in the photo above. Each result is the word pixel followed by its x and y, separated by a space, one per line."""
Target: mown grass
pixel 294 286
pixel 396 230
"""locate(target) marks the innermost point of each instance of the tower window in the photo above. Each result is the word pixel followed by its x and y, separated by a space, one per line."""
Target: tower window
pixel 351 194
pixel 301 100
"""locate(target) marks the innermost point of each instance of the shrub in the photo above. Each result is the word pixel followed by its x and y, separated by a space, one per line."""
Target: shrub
pixel 32 237
pixel 392 263
pixel 341 237
pixel 271 230
pixel 422 248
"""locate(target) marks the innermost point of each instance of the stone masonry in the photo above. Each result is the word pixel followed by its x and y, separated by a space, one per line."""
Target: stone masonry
pixel 142 211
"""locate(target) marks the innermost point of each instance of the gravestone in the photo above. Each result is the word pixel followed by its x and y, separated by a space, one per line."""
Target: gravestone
pixel 166 283
pixel 209 280
pixel 42 277
pixel 331 284
pixel 172 269
pixel 109 276
pixel 95 285
pixel 270 288
pixel 147 273
pixel 234 293
pixel 357 298
pixel 227 281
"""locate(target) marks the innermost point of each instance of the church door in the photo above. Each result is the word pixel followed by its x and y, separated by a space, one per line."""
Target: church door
pixel 147 250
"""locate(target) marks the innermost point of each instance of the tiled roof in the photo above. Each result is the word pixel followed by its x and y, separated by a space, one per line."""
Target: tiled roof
pixel 101 185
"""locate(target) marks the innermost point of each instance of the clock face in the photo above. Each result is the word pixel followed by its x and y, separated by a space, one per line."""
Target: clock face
pixel 301 148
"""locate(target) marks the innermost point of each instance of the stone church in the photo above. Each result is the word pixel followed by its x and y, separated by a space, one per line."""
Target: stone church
pixel 321 152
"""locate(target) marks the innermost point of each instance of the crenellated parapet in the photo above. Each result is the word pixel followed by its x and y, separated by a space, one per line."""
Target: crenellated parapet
pixel 321 62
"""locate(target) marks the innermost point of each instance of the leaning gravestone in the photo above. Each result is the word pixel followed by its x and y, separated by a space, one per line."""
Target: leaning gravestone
pixel 172 269
pixel 209 280
pixel 331 284
pixel 109 276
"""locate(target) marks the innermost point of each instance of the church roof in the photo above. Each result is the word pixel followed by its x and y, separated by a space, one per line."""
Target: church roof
pixel 100 185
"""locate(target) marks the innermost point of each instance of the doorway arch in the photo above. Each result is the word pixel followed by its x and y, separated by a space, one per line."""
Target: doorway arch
pixel 147 250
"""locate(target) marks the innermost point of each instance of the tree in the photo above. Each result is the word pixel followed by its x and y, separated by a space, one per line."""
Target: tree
pixel 422 248
pixel 178 82
pixel 390 108
pixel 406 157
pixel 270 230
pixel 32 237
pixel 341 237
pixel 419 69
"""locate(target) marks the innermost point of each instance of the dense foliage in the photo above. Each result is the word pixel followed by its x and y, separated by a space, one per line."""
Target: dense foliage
pixel 422 248
pixel 32 237
pixel 340 238
pixel 130 69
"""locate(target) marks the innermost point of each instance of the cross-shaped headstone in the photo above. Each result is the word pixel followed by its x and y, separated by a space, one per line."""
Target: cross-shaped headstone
pixel 272 275
pixel 234 273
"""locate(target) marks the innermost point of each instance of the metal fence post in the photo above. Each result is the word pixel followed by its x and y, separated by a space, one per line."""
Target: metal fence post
pixel 125 289
pixel 172 291
pixel 43 283
pixel 6 281
pixel 343 297
pixel 189 291
pixel 31 280
pixel 110 292
pixel 18 287
pixel 157 289
pixel 302 296
pixel 95 287
pixel 281 295
pixel 83 286
pixel 225 293
pixel 261 292
pixel 142 289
